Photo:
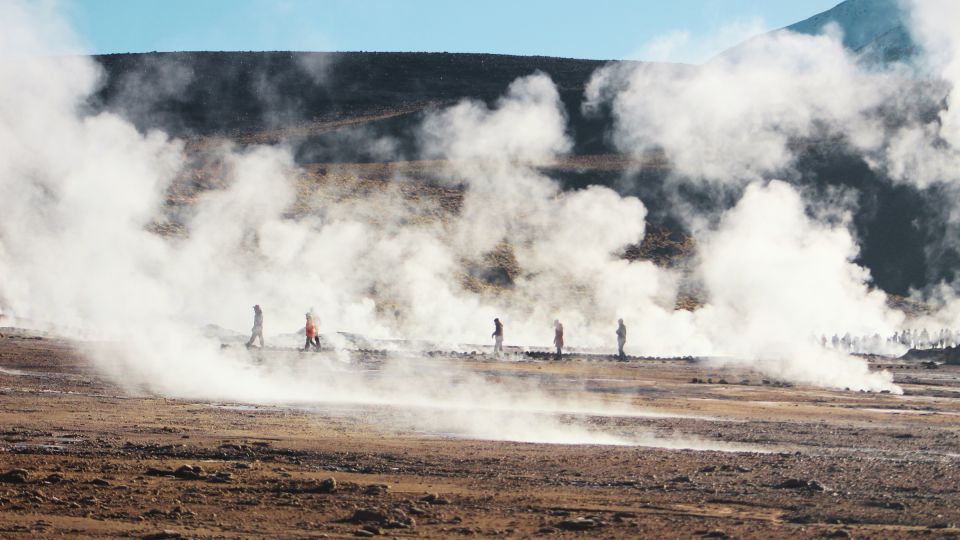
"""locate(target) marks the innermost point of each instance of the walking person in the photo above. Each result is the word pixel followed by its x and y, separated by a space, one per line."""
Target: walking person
pixel 311 332
pixel 316 328
pixel 621 339
pixel 558 337
pixel 257 330
pixel 497 337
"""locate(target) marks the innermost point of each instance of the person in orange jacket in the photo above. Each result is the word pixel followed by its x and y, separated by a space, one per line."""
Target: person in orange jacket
pixel 316 328
pixel 311 330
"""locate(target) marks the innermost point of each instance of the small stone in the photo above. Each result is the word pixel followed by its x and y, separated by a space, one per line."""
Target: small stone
pixel 433 498
pixel 372 528
pixel 327 485
pixel 376 489
pixel 221 477
pixel 163 535
pixel 15 476
pixel 368 515
pixel 579 524
pixel 798 483
pixel 188 472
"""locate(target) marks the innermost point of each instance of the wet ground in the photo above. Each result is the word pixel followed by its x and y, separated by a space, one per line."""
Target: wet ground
pixel 590 447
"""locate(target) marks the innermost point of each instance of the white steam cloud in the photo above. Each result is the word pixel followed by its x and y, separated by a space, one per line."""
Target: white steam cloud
pixel 81 193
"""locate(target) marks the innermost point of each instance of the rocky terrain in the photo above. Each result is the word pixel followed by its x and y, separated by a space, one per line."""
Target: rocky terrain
pixel 83 458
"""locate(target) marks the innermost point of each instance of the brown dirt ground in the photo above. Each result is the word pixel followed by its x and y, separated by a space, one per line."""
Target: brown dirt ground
pixel 98 460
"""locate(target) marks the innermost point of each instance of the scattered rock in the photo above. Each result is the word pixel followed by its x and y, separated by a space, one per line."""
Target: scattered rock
pixel 372 528
pixel 15 476
pixel 221 477
pixel 235 447
pixel 714 534
pixel 327 485
pixel 189 472
pixel 163 535
pixel 433 498
pixel 368 515
pixel 797 483
pixel 54 478
pixel 839 533
pixel 363 533
pixel 375 489
pixel 100 482
pixel 579 524
pixel 153 471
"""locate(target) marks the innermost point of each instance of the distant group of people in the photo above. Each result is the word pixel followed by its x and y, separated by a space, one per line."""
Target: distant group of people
pixel 557 338
pixel 910 338
pixel 311 329
pixel 312 326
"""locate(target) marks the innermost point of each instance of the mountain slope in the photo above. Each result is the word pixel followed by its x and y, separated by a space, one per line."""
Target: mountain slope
pixel 875 29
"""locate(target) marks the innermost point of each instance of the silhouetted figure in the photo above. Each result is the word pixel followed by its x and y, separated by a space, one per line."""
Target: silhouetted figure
pixel 257 330
pixel 497 337
pixel 558 338
pixel 311 331
pixel 621 338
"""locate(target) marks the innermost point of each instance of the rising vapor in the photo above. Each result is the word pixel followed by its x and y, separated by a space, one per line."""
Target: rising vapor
pixel 83 193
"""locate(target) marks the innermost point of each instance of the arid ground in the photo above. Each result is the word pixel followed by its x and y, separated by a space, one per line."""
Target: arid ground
pixel 81 457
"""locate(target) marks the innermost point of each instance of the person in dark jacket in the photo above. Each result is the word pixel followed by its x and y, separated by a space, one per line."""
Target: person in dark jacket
pixel 558 337
pixel 621 338
pixel 497 337
pixel 257 330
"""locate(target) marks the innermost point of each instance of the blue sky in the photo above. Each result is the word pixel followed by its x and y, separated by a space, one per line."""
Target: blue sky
pixel 681 30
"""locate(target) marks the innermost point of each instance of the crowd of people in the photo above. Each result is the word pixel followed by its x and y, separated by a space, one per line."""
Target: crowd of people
pixel 910 338
pixel 312 326
pixel 872 344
